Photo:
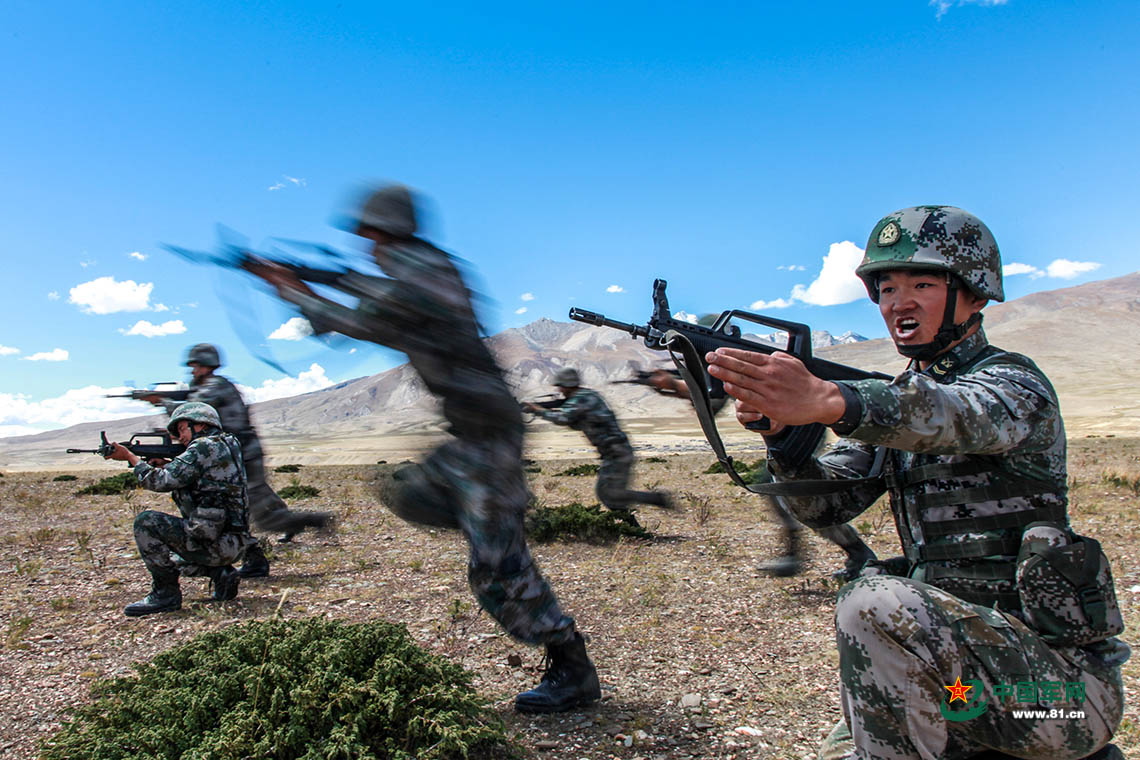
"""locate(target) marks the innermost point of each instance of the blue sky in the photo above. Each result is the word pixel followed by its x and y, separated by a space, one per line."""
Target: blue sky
pixel 572 153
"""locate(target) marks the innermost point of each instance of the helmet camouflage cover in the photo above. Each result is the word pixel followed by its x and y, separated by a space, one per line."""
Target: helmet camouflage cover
pixel 942 238
pixel 193 411
pixel 390 208
pixel 205 354
pixel 567 377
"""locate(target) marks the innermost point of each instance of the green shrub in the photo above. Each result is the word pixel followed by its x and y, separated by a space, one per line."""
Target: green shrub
pixel 310 688
pixel 533 469
pixel 64 478
pixel 121 483
pixel 582 469
pixel 575 522
pixel 655 460
pixel 298 491
pixel 288 468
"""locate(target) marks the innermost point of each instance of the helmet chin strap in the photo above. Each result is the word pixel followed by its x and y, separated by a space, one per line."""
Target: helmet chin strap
pixel 948 333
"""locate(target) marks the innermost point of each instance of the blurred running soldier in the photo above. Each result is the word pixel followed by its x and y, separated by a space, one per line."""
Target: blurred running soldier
pixel 791 562
pixel 208 484
pixel 475 481
pixel 586 410
pixel 968 441
pixel 269 511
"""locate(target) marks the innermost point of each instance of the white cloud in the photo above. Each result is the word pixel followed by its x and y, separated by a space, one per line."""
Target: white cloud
pixel 147 330
pixel 160 307
pixel 87 263
pixel 55 355
pixel 942 6
pixel 1015 268
pixel 520 310
pixel 792 268
pixel 685 316
pixel 836 283
pixel 297 328
pixel 8 350
pixel 527 296
pixel 107 296
pixel 779 303
pixel 137 255
pixel 19 415
pixel 615 289
pixel 53 296
pixel 311 380
pixel 1067 270
pixel 297 181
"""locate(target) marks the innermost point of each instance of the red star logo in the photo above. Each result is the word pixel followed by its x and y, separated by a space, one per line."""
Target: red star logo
pixel 958 691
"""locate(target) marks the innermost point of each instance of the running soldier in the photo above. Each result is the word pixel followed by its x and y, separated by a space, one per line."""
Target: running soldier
pixel 969 443
pixel 586 410
pixel 475 481
pixel 791 561
pixel 207 482
pixel 269 511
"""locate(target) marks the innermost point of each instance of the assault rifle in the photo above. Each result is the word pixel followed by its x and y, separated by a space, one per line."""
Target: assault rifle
pixel 549 401
pixel 167 448
pixel 178 394
pixel 688 343
pixel 641 377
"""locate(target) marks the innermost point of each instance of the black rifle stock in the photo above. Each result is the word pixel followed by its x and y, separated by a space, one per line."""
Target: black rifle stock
pixel 165 448
pixel 688 343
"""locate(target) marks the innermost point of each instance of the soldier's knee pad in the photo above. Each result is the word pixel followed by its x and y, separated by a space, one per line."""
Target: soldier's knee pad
pixel 410 494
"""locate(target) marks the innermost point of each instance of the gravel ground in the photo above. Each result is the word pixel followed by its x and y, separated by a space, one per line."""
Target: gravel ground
pixel 699 654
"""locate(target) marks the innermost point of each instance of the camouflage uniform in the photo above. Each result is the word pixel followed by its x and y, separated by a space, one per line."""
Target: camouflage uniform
pixel 269 511
pixel 474 482
pixel 208 486
pixel 974 452
pixel 585 410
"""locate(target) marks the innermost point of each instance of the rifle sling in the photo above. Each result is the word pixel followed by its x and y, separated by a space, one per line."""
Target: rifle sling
pixel 678 342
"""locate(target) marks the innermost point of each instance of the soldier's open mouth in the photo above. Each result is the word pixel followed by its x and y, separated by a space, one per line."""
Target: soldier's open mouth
pixel 905 328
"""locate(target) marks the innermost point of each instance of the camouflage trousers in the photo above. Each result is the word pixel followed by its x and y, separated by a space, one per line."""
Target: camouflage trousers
pixel 843 535
pixel 159 535
pixel 614 475
pixel 268 511
pixel 478 486
pixel 902 643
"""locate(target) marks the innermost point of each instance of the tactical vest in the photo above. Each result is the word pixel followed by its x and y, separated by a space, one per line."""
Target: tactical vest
pixel 208 493
pixel 977 568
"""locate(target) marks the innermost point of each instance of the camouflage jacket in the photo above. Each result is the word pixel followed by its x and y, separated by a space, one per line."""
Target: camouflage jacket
pixel 424 309
pixel 226 399
pixel 587 411
pixel 207 482
pixel 974 451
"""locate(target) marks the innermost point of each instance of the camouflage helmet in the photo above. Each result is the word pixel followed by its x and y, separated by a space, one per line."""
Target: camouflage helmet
pixel 567 377
pixel 193 411
pixel 205 354
pixel 389 209
pixel 942 238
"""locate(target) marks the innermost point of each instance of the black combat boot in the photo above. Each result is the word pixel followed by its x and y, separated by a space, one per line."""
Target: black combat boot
pixel 255 564
pixel 225 582
pixel 570 680
pixel 857 558
pixel 790 563
pixel 164 596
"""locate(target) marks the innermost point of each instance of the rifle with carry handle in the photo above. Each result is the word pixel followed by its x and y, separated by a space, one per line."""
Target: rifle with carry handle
pixel 165 447
pixel 688 343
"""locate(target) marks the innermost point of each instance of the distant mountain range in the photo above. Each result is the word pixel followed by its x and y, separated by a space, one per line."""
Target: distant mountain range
pixel 1084 337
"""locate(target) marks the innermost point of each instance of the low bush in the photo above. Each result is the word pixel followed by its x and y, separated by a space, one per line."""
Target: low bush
pixel 582 469
pixel 64 478
pixel 115 484
pixel 288 468
pixel 304 689
pixel 298 491
pixel 575 522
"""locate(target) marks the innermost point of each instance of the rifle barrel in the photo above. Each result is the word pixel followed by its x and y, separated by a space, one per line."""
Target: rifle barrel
pixel 600 320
